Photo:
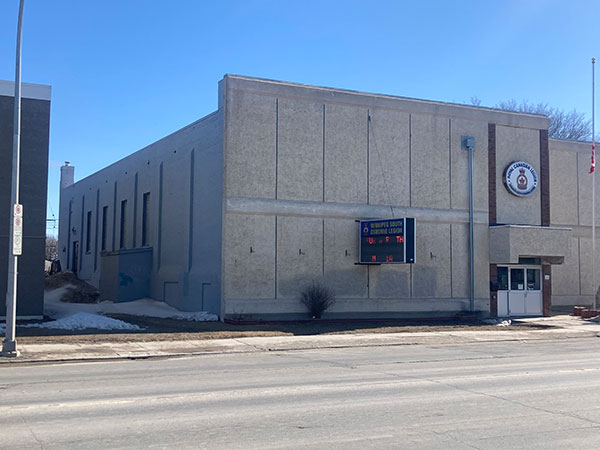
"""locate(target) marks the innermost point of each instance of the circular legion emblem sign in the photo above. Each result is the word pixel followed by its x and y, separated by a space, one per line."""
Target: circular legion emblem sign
pixel 520 178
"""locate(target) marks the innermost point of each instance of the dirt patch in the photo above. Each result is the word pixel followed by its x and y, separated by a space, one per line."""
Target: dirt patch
pixel 78 291
pixel 156 329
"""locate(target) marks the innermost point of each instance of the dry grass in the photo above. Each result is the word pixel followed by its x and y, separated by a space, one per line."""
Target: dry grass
pixel 78 291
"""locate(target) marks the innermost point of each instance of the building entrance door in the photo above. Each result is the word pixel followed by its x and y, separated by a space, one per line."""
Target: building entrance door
pixel 519 291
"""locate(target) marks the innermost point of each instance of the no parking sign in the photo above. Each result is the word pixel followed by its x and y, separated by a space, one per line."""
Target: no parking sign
pixel 17 230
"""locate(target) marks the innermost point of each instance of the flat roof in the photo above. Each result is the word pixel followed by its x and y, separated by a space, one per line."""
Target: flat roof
pixel 28 90
pixel 366 99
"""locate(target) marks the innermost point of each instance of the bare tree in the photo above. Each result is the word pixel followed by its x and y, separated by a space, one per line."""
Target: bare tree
pixel 51 248
pixel 571 125
pixel 475 101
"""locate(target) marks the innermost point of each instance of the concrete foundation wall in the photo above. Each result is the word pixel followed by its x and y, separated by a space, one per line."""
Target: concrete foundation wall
pixel 182 175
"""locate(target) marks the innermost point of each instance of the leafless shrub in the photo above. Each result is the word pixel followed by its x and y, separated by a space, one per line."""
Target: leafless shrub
pixel 317 298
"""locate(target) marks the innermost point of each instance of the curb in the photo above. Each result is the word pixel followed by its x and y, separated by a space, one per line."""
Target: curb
pixel 71 353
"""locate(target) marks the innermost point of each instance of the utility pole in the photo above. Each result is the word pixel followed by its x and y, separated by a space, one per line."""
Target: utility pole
pixel 9 345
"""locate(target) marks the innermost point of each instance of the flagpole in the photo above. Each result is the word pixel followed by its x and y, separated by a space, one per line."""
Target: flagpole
pixel 594 185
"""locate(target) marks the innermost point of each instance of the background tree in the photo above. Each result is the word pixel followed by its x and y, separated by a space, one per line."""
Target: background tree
pixel 571 125
pixel 51 248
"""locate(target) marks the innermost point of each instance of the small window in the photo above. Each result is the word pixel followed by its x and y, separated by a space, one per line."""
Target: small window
pixel 123 239
pixel 533 279
pixel 503 278
pixel 532 261
pixel 88 236
pixel 146 219
pixel 104 220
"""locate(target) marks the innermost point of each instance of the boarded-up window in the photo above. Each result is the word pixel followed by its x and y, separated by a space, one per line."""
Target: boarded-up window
pixel 88 236
pixel 104 221
pixel 146 219
pixel 123 239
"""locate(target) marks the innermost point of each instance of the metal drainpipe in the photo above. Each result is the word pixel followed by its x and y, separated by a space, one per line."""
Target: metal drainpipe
pixel 468 143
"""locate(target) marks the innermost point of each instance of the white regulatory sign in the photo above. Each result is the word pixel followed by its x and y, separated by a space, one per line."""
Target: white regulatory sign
pixel 17 230
pixel 17 245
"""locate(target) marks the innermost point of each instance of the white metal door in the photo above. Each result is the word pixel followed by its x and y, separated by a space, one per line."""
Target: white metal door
pixel 519 291
pixel 533 291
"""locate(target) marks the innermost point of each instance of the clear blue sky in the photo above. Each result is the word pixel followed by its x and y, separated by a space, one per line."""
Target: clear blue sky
pixel 125 73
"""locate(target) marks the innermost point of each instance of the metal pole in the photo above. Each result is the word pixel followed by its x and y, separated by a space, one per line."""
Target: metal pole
pixel 594 191
pixel 468 143
pixel 9 345
pixel 471 249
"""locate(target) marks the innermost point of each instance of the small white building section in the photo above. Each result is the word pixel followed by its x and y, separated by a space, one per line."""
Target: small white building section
pixel 236 213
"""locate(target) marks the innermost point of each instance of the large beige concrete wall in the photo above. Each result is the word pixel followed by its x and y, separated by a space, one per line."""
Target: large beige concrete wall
pixel 571 206
pixel 302 164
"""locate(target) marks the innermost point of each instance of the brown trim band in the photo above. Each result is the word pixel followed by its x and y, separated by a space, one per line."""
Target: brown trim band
pixel 492 217
pixel 545 178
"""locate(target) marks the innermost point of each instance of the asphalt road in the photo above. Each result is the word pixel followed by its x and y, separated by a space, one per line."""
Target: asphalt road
pixel 532 395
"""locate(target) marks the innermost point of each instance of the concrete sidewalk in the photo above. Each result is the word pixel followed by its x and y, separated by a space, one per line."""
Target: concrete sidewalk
pixel 567 327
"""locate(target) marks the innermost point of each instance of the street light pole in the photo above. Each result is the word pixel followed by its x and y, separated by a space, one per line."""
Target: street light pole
pixel 9 345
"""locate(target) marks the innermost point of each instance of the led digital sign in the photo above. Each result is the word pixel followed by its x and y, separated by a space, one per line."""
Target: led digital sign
pixel 390 241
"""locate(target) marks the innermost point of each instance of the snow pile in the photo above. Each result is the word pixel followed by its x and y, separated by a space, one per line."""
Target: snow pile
pixel 143 307
pixel 152 308
pixel 83 321
pixel 82 316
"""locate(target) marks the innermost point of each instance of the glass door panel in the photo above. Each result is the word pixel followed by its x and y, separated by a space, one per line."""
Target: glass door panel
pixel 516 296
pixel 503 278
pixel 517 279
pixel 533 279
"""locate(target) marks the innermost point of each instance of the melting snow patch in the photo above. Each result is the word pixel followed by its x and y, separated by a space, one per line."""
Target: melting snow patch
pixel 54 308
pixel 82 321
pixel 201 316
pixel 498 322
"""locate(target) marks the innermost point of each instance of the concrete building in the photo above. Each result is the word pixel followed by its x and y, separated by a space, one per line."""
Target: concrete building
pixel 35 132
pixel 236 213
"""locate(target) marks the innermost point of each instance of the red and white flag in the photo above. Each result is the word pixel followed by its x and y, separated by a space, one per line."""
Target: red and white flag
pixel 593 166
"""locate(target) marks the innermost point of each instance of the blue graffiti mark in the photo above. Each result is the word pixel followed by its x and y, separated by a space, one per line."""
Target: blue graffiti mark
pixel 124 279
